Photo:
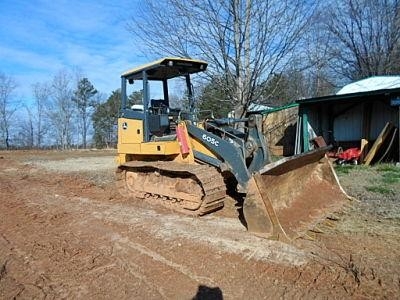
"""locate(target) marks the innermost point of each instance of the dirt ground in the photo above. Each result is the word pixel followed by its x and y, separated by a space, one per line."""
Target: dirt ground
pixel 65 232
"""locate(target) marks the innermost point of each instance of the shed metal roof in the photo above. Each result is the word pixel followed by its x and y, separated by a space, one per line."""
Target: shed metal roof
pixel 371 84
pixel 351 96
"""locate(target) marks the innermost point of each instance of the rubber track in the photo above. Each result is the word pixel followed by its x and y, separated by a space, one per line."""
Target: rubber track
pixel 210 179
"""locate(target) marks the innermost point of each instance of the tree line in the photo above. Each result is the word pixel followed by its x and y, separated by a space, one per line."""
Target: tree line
pixel 263 52
pixel 66 112
pixel 275 51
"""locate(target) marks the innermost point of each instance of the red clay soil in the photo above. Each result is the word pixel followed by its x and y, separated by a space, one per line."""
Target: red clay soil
pixel 64 236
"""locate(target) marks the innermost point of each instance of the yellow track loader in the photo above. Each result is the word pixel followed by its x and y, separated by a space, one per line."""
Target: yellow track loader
pixel 177 159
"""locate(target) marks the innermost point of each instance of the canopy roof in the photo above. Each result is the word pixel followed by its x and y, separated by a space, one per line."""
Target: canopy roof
pixel 166 68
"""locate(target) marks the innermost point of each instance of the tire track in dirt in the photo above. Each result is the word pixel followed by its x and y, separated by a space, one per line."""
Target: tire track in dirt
pixel 87 212
pixel 123 242
pixel 78 217
pixel 70 260
pixel 137 273
pixel 83 241
pixel 221 233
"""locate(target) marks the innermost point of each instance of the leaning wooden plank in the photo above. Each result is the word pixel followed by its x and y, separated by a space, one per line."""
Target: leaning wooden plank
pixel 378 143
pixel 364 149
pixel 320 142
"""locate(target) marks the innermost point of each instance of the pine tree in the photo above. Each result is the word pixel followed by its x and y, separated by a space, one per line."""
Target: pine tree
pixel 83 96
pixel 105 119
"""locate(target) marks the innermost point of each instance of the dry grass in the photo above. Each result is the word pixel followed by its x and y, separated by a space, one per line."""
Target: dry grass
pixel 378 189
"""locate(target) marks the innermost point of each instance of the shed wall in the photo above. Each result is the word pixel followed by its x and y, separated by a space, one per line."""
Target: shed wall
pixel 348 126
pixel 344 122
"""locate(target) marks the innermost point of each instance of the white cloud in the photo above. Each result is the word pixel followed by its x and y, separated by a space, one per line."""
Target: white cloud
pixel 28 60
pixel 38 38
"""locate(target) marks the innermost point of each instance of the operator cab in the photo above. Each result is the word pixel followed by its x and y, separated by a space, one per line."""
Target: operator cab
pixel 155 79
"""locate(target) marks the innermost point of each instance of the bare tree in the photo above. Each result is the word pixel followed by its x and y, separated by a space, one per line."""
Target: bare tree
pixel 41 92
pixel 245 41
pixel 61 109
pixel 365 37
pixel 319 79
pixel 7 110
pixel 26 134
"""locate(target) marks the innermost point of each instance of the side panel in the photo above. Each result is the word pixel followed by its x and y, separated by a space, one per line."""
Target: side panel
pixel 131 143
pixel 130 136
pixel 129 131
pixel 160 148
pixel 150 148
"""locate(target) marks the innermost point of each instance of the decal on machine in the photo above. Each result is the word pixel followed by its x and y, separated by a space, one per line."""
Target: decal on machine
pixel 210 140
pixel 124 125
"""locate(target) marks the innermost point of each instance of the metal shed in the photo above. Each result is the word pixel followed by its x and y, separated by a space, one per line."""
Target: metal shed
pixel 344 119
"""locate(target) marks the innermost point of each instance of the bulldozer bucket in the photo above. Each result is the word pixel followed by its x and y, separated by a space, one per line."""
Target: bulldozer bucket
pixel 291 196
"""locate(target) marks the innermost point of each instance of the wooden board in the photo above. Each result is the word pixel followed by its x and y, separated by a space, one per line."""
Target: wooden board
pixel 378 143
pixel 320 142
pixel 364 149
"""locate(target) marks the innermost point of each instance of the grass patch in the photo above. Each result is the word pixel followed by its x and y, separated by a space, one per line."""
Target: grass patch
pixel 379 190
pixel 389 172
pixel 344 169
pixel 391 177
pixel 388 168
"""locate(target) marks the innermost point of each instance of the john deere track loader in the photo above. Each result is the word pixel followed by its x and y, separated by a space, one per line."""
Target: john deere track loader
pixel 177 159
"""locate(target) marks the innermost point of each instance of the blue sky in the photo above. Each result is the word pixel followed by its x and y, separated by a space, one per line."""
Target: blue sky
pixel 40 38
